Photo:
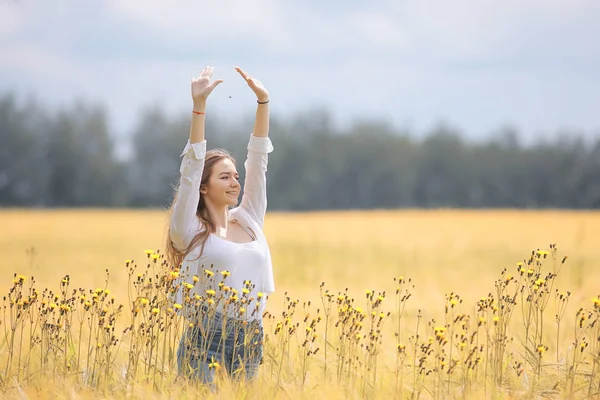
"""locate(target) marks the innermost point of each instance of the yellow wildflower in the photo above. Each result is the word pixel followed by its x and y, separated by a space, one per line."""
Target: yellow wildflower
pixel 541 349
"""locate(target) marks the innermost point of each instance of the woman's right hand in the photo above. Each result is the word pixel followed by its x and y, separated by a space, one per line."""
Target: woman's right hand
pixel 202 86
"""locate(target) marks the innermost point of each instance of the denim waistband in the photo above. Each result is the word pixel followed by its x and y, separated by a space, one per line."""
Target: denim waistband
pixel 205 312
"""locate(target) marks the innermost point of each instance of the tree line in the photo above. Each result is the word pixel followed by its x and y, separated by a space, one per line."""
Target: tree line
pixel 68 158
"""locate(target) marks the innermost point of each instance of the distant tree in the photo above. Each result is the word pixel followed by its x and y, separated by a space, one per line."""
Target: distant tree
pixel 67 159
pixel 81 169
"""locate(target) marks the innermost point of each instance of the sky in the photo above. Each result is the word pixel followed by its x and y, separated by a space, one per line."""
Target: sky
pixel 475 65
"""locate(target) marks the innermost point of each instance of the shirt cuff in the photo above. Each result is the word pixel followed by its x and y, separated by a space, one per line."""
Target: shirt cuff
pixel 260 144
pixel 199 149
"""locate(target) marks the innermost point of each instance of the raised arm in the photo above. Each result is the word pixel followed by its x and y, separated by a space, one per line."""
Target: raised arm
pixel 184 224
pixel 261 123
pixel 254 198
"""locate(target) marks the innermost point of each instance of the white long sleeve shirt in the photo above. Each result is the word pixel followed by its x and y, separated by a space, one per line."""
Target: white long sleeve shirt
pixel 242 261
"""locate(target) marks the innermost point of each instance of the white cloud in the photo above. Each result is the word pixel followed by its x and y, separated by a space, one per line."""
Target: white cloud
pixel 213 22
pixel 379 30
pixel 10 18
pixel 38 61
pixel 467 29
pixel 473 63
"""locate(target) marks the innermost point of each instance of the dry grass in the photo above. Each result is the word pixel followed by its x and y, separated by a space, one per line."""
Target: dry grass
pixel 442 252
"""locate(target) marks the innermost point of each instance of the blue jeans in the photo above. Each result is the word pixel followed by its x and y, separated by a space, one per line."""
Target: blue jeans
pixel 236 346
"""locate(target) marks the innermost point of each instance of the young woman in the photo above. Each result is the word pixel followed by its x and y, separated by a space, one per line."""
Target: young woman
pixel 220 248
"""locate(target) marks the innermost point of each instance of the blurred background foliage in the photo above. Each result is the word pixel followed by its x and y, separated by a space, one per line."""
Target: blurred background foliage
pixel 69 158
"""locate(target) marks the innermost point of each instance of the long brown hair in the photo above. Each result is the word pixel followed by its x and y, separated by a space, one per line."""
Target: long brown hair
pixel 174 256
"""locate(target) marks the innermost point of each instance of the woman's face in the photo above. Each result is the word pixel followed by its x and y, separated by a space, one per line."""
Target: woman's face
pixel 223 188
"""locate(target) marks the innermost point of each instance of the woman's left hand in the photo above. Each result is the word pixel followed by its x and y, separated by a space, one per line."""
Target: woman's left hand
pixel 257 87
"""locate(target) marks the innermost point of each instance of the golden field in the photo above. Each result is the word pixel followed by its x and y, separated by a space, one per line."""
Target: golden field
pixel 441 252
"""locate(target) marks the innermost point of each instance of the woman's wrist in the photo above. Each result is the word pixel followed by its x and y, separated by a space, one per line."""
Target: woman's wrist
pixel 262 100
pixel 199 105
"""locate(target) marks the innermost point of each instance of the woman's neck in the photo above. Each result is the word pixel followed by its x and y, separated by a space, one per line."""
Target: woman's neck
pixel 219 217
